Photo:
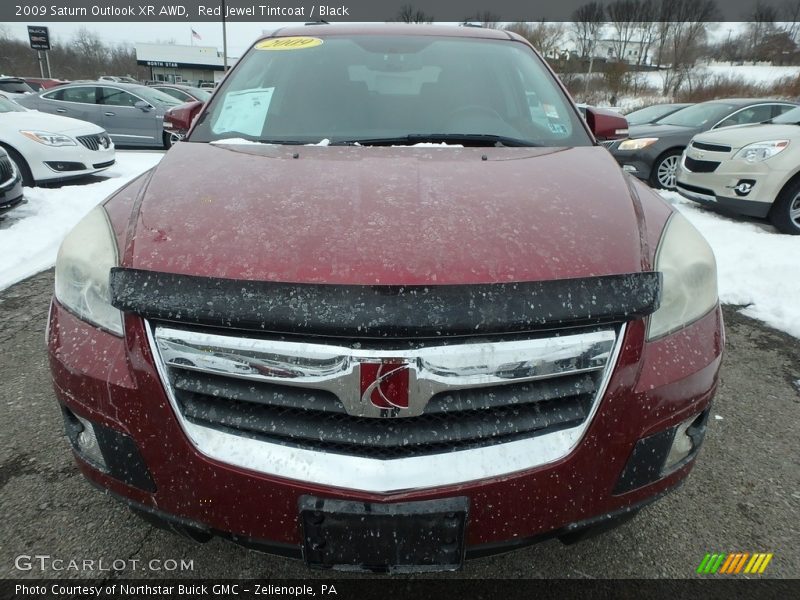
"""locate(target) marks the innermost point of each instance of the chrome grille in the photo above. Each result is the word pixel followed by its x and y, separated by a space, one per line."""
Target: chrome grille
pixel 96 141
pixel 7 171
pixel 463 397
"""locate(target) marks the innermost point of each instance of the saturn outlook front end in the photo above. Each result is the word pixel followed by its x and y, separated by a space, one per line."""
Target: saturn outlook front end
pixel 379 314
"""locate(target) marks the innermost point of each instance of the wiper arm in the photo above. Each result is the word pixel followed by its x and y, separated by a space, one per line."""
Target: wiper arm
pixel 473 139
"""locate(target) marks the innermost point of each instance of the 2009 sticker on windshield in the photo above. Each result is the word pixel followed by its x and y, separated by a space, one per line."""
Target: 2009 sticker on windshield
pixel 288 43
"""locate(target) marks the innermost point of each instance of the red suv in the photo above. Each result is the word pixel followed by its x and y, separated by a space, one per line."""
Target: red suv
pixel 390 305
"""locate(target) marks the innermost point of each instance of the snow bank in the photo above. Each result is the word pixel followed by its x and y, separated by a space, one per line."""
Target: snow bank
pixel 758 267
pixel 31 234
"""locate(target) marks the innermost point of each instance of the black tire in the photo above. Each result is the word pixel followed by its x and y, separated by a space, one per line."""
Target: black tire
pixel 22 166
pixel 166 140
pixel 669 163
pixel 785 211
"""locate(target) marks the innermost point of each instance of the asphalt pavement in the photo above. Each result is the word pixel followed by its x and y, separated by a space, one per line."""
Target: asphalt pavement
pixel 743 495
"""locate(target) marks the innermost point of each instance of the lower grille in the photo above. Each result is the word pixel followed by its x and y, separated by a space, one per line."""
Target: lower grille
pixel 312 396
pixel 700 166
pixel 96 141
pixel 7 171
pixel 103 165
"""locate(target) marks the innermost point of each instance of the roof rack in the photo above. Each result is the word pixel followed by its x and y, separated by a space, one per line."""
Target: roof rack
pixel 468 24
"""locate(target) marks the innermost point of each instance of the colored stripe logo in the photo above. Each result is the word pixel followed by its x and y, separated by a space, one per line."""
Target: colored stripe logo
pixel 734 563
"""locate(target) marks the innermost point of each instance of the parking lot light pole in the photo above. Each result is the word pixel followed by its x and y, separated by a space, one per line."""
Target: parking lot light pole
pixel 224 42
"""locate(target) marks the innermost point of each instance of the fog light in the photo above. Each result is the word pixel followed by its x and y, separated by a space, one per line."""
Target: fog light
pixel 744 187
pixel 688 437
pixel 87 444
pixel 629 168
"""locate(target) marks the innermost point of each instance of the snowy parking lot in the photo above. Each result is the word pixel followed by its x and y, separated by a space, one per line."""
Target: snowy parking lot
pixel 758 268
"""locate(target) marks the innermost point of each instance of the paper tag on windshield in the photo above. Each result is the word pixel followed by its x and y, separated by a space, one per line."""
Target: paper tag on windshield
pixel 288 43
pixel 244 112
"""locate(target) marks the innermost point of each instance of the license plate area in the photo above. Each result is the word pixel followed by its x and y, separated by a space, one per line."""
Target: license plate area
pixel 389 538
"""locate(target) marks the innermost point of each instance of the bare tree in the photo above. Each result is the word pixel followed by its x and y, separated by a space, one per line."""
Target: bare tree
pixel 683 31
pixel 409 14
pixel 760 27
pixel 790 15
pixel 545 37
pixel 623 17
pixel 587 20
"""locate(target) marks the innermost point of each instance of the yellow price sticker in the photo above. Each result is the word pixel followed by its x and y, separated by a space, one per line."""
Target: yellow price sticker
pixel 288 43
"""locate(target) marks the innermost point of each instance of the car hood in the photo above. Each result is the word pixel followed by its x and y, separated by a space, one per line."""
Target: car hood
pixel 659 131
pixel 738 137
pixel 39 121
pixel 386 216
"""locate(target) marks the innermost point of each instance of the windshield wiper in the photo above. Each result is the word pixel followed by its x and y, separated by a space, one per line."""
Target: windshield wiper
pixel 472 139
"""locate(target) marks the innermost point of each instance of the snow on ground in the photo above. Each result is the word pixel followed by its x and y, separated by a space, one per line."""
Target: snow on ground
pixel 758 267
pixel 750 73
pixel 31 234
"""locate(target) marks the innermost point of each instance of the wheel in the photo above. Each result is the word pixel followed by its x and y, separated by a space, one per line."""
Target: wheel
pixel 785 211
pixel 167 140
pixel 665 170
pixel 22 166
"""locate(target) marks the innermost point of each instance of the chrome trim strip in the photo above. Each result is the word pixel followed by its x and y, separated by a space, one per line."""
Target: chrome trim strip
pixel 383 476
pixel 14 174
pixel 431 370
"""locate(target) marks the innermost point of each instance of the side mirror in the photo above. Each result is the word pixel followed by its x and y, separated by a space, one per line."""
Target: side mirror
pixel 143 106
pixel 181 117
pixel 606 124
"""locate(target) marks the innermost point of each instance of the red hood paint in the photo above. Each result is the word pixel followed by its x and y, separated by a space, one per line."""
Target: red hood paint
pixel 391 216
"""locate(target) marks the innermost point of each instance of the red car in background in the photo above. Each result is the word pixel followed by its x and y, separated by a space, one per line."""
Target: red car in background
pixel 39 84
pixel 378 313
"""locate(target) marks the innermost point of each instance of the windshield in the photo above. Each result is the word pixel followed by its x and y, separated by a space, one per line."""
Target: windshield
pixel 706 114
pixel 395 89
pixel 791 117
pixel 156 96
pixel 201 95
pixel 7 106
pixel 649 114
pixel 15 87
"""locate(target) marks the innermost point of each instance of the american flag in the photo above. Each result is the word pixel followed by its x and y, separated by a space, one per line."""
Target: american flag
pixel 196 35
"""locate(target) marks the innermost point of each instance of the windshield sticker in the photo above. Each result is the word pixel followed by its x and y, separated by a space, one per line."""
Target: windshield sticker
pixel 244 112
pixel 558 128
pixel 288 43
pixel 550 111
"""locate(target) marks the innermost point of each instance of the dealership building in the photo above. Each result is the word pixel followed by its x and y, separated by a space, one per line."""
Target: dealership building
pixel 174 63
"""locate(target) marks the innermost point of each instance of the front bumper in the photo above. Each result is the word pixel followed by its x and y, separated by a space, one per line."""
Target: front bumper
pixel 67 162
pixel 736 186
pixel 10 194
pixel 114 382
pixel 638 163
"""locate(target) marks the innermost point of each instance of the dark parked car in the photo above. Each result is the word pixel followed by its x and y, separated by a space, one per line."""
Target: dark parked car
pixel 132 115
pixel 183 93
pixel 651 114
pixel 375 314
pixel 10 183
pixel 653 152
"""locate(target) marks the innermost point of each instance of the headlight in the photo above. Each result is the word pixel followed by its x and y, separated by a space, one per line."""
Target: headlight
pixel 49 139
pixel 637 144
pixel 82 271
pixel 689 278
pixel 761 150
